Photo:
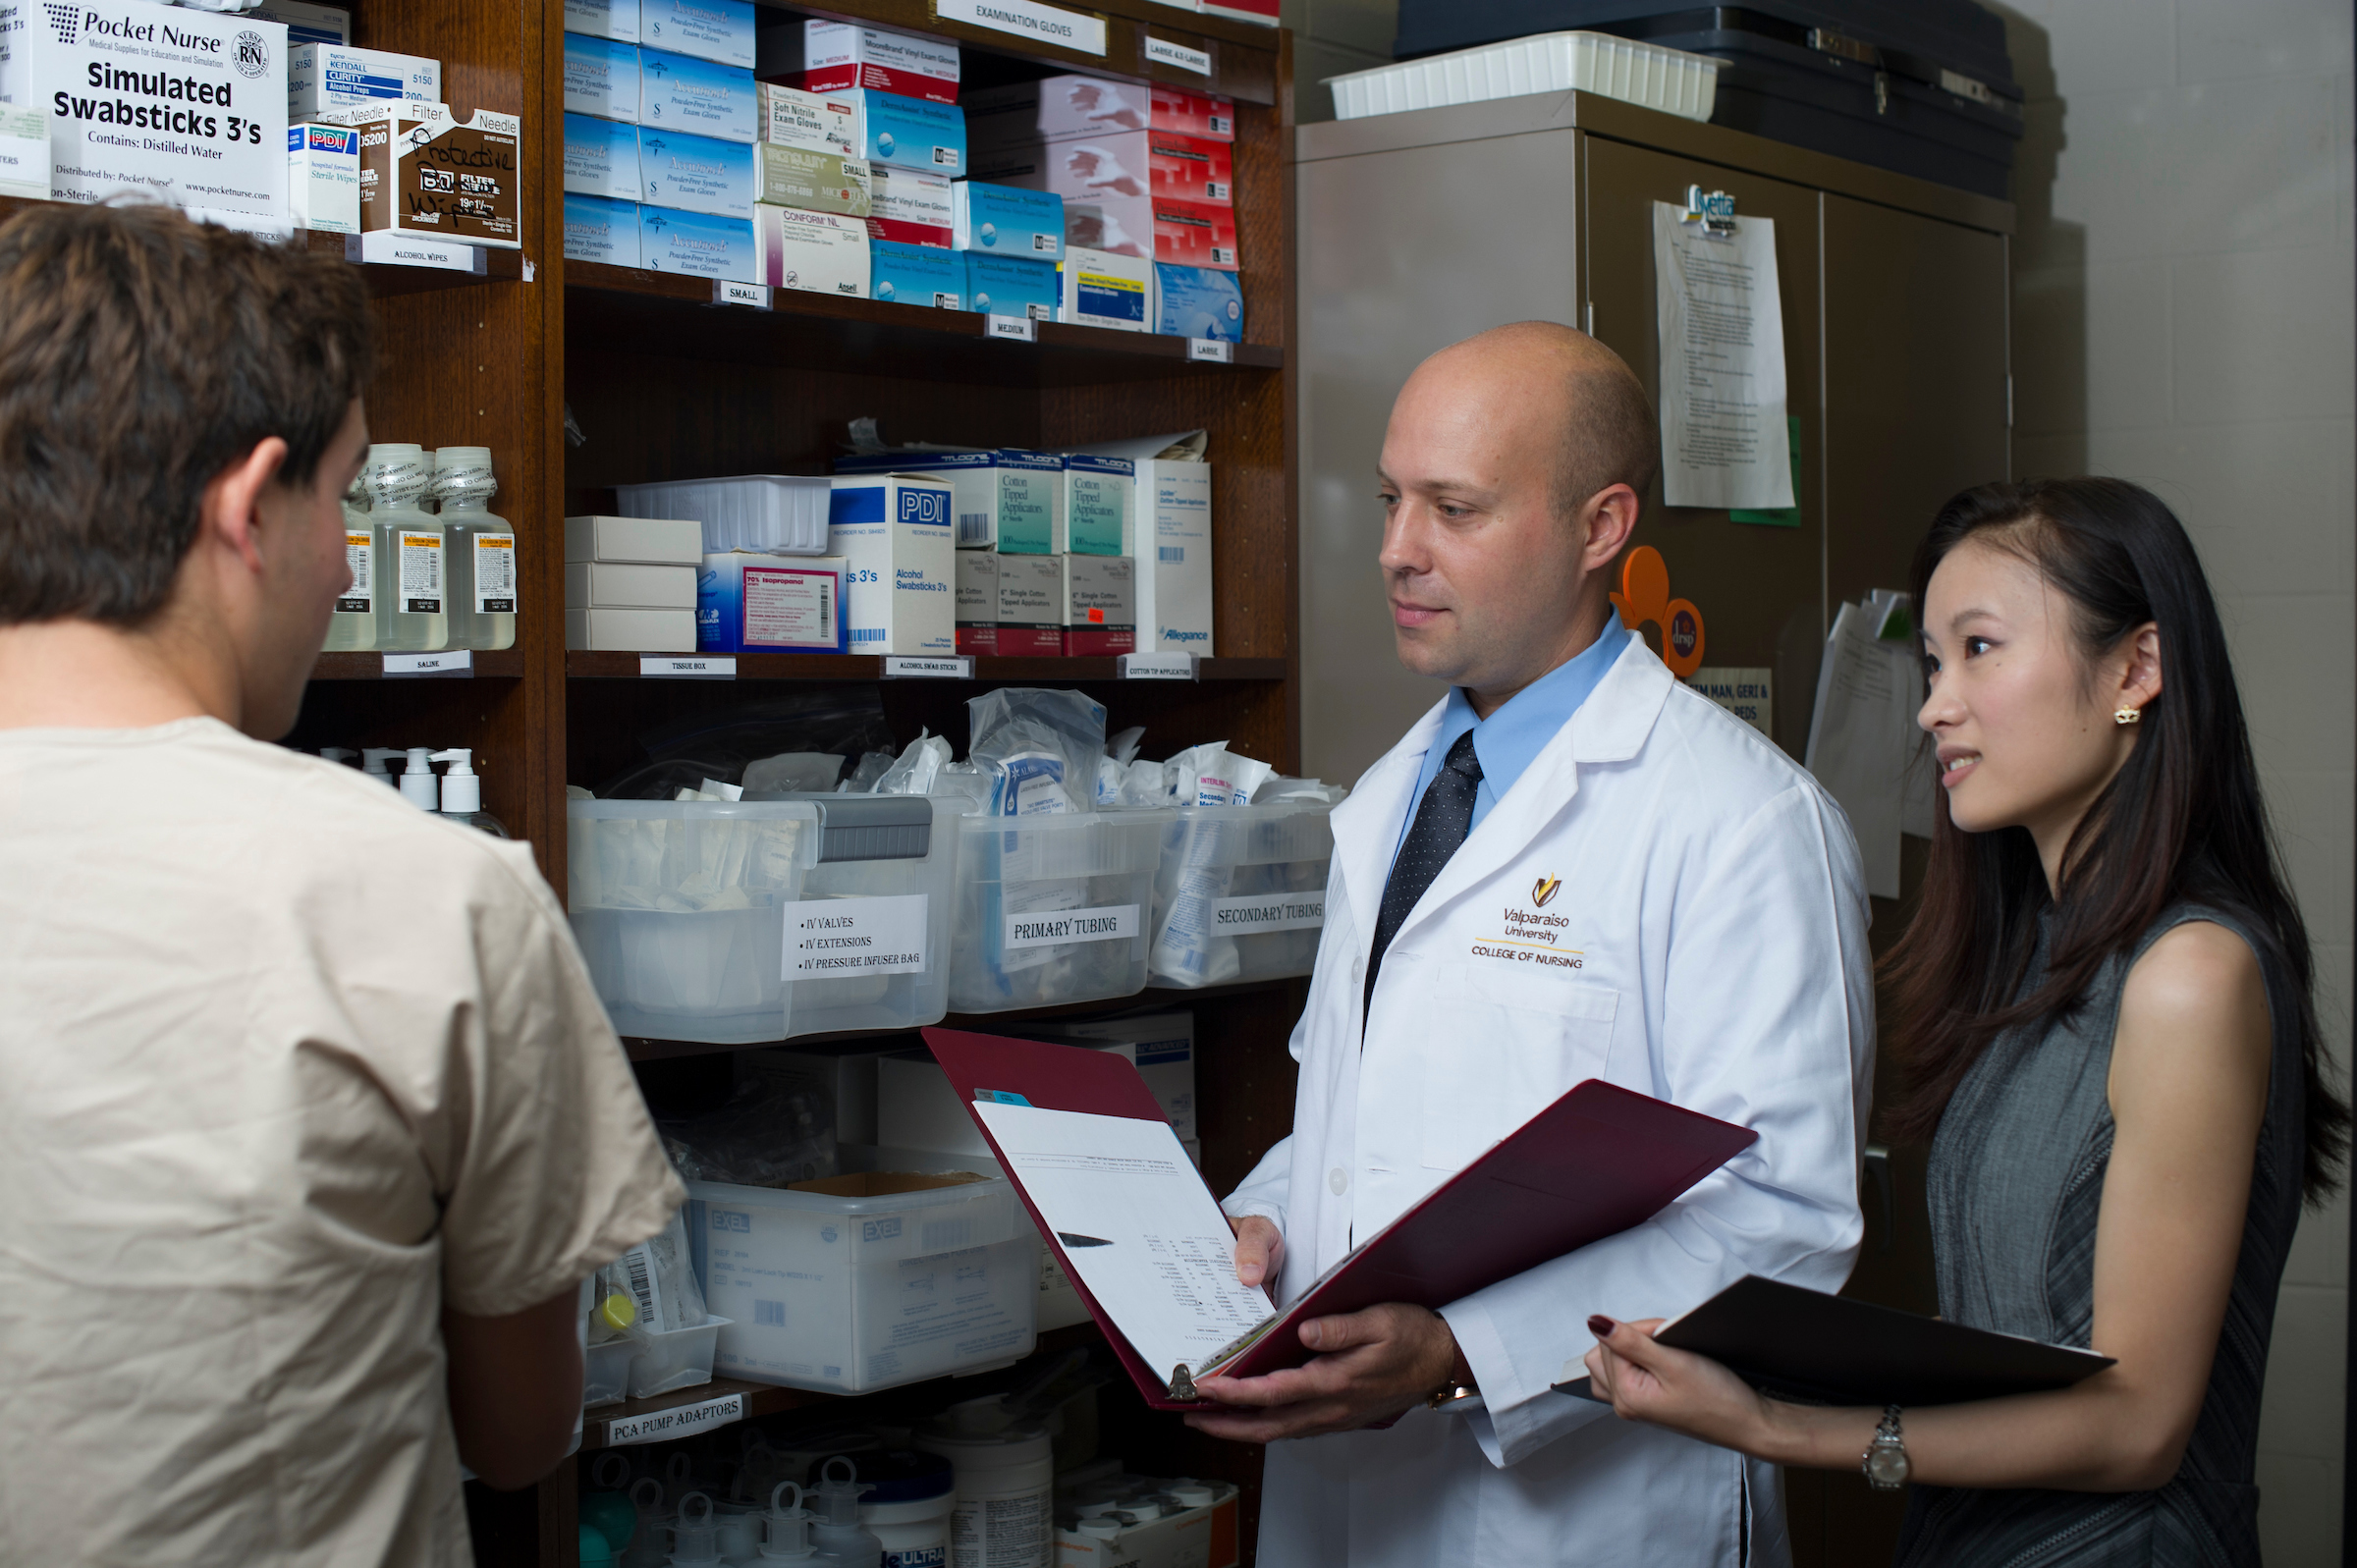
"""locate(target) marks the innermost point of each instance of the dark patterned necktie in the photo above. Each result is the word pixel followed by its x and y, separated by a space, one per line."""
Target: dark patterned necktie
pixel 1442 819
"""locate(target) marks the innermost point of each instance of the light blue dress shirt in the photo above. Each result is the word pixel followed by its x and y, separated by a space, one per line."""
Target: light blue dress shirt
pixel 1510 739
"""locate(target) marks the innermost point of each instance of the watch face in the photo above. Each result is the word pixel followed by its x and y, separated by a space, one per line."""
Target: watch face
pixel 1886 1465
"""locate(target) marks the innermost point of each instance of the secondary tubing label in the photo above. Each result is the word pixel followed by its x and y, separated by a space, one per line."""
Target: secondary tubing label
pixel 1269 911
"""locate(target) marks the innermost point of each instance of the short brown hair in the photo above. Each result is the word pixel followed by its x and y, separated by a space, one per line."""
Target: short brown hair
pixel 1613 437
pixel 140 355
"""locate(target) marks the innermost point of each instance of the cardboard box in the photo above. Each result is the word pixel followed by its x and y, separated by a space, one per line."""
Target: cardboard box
pixel 1171 542
pixel 601 158
pixel 305 22
pixel 1100 616
pixel 696 173
pixel 1102 289
pixel 680 92
pixel 722 32
pixel 1007 220
pixel 614 586
pixel 909 207
pixel 820 252
pixel 602 230
pixel 698 245
pixel 815 182
pixel 216 121
pixel 908 133
pixel 631 630
pixel 977 599
pixel 654 541
pixel 1134 163
pixel 25 153
pixel 1010 285
pixel 917 275
pixel 788 116
pixel 1061 107
pixel 893 533
pixel 617 20
pixel 601 78
pixel 323 178
pixel 830 56
pixel 1010 500
pixel 748 603
pixel 1031 601
pixel 844 1071
pixel 1198 302
pixel 1098 492
pixel 1194 234
pixel 423 171
pixel 333 76
pixel 1191 114
pixel 1109 205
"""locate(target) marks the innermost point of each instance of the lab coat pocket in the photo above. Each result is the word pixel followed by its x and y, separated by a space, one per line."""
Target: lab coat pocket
pixel 1505 1045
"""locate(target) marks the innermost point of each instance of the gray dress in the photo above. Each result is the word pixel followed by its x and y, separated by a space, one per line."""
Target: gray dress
pixel 2015 1179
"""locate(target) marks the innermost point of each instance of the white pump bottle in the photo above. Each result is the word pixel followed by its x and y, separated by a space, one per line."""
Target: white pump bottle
pixel 463 794
pixel 418 786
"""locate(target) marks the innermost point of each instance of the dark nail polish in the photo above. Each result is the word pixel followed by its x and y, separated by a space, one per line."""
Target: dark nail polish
pixel 1600 1326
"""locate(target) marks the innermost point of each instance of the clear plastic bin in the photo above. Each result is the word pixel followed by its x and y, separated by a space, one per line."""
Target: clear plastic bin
pixel 681 1359
pixel 1240 893
pixel 742 921
pixel 606 1372
pixel 868 1280
pixel 1052 909
pixel 777 513
pixel 1634 72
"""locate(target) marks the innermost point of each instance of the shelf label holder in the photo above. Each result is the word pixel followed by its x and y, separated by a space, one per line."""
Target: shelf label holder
pixel 1015 328
pixel 1178 56
pixel 1162 667
pixel 728 292
pixel 686 667
pixel 681 1421
pixel 1077 30
pixel 1212 351
pixel 929 667
pixel 450 662
pixel 384 247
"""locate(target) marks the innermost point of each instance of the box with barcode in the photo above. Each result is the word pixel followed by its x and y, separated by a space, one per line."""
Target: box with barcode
pixel 1011 501
pixel 1032 606
pixel 1098 492
pixel 1170 538
pixel 900 569
pixel 1100 606
pixel 749 603
pixel 1104 289
pixel 978 600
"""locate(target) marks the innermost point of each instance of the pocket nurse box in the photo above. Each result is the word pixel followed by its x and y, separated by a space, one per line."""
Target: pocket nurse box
pixel 893 533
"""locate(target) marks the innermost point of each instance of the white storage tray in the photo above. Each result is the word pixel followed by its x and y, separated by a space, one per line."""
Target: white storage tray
pixel 1646 73
pixel 777 513
pixel 606 1372
pixel 680 1359
pixel 1240 893
pixel 1089 875
pixel 848 1293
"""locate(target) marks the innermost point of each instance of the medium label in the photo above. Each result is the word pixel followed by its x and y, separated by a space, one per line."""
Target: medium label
pixel 1211 348
pixel 1018 329
pixel 1273 911
pixel 1158 666
pixel 1164 52
pixel 494 573
pixel 723 668
pixel 1105 923
pixel 955 667
pixel 386 250
pixel 417 579
pixel 726 292
pixel 1025 18
pixel 458 662
pixel 681 1421
pixel 359 554
pixel 837 937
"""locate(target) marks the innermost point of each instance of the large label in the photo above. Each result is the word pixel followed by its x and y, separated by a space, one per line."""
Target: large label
pixel 1046 927
pixel 418 585
pixel 359 554
pixel 1025 19
pixel 1268 911
pixel 830 938
pixel 494 573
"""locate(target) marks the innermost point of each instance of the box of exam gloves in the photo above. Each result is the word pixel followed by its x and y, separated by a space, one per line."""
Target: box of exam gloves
pixel 601 78
pixel 601 158
pixel 1008 499
pixel 321 77
pixel 1010 285
pixel 820 252
pixel 908 133
pixel 1108 206
pixel 815 182
pixel 1170 541
pixel 323 178
pixel 722 32
pixel 602 230
pixel 830 56
pixel 788 116
pixel 748 603
pixel 1099 288
pixel 1198 302
pixel 1100 606
pixel 917 275
pixel 698 173
pixel 698 244
pixel 680 92
pixel 1061 107
pixel 617 20
pixel 892 533
pixel 907 207
pixel 1007 220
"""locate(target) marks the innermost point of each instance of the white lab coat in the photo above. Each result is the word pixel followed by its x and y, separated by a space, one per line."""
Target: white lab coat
pixel 1713 953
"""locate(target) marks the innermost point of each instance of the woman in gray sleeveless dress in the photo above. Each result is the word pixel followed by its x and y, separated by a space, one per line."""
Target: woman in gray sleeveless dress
pixel 2106 1000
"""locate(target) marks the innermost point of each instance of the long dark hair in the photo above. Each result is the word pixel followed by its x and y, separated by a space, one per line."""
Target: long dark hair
pixel 2182 820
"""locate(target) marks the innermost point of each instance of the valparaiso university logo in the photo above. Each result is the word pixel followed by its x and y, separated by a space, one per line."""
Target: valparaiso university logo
pixel 1543 891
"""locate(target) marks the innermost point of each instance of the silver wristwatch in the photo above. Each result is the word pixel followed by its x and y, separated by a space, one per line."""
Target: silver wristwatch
pixel 1886 1460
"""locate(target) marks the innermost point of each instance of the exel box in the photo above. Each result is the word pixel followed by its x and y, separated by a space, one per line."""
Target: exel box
pixel 978 600
pixel 618 585
pixel 820 252
pixel 305 22
pixel 1198 302
pixel 1007 220
pixel 893 534
pixel 680 92
pixel 329 76
pixel 815 182
pixel 907 207
pixel 617 20
pixel 749 603
pixel 601 78
pixel 1009 286
pixel 1062 107
pixel 698 173
pixel 1097 499
pixel 219 104
pixel 1102 289
pixel 602 230
pixel 323 178
pixel 698 245
pixel 647 541
pixel 1010 500
pixel 830 56
pixel 601 158
pixel 1031 605
pixel 423 171
pixel 1100 606
pixel 917 275
pixel 25 153
pixel 908 133
pixel 722 32
pixel 788 116
pixel 631 630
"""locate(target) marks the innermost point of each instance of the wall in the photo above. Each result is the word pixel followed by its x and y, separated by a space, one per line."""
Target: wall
pixel 1330 37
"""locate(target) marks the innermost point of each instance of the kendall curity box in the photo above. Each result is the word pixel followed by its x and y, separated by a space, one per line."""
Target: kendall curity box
pixel 601 158
pixel 893 534
pixel 815 182
pixel 908 133
pixel 751 603
pixel 1062 107
pixel 916 275
pixel 601 78
pixel 1007 220
pixel 829 56
pixel 1009 286
pixel 698 244
pixel 819 253
pixel 1102 290
pixel 1011 501
pixel 1100 606
pixel 909 207
pixel 321 77
pixel 1198 302
pixel 680 92
pixel 978 600
pixel 788 116
pixel 617 20
pixel 722 32
pixel 323 178
pixel 1031 605
pixel 600 228
pixel 1097 503
pixel 698 173
pixel 423 171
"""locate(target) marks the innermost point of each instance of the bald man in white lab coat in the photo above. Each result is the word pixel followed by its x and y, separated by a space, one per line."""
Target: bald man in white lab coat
pixel 1707 920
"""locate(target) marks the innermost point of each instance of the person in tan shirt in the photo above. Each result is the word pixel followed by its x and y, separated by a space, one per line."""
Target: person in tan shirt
pixel 312 1124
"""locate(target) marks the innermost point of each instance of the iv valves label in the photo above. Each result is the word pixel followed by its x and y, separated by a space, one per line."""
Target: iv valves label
pixel 833 938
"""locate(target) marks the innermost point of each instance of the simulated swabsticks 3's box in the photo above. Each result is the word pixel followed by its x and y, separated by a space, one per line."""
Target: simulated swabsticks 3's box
pixel 601 158
pixel 423 171
pixel 1007 220
pixel 700 174
pixel 830 56
pixel 1010 500
pixel 600 228
pixel 1100 606
pixel 748 603
pixel 698 245
pixel 680 92
pixel 822 252
pixel 893 533
pixel 815 182
pixel 1097 500
pixel 917 275
pixel 788 116
pixel 1198 302
pixel 601 78
pixel 1102 290
pixel 330 76
pixel 1010 285
pixel 909 207
pixel 722 32
pixel 323 178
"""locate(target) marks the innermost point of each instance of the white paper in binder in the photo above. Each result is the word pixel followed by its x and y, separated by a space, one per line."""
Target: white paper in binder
pixel 1864 745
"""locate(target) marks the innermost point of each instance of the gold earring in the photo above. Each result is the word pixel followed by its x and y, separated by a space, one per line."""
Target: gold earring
pixel 2126 716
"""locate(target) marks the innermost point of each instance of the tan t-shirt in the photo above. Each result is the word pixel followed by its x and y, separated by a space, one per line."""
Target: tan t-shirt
pixel 286 1067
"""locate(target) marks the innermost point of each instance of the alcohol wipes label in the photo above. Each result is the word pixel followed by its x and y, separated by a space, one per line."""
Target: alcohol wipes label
pixel 494 573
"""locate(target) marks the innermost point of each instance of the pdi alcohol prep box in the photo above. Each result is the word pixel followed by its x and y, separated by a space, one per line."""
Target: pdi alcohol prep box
pixel 831 56
pixel 182 106
pixel 323 178
pixel 1010 500
pixel 893 533
pixel 1007 220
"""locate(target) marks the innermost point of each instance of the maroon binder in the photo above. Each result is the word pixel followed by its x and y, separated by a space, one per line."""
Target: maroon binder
pixel 1595 1163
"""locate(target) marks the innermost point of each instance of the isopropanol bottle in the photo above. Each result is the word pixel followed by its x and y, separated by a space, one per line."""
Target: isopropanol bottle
pixel 482 550
pixel 413 586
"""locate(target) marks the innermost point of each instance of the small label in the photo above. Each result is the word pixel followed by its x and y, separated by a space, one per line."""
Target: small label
pixel 418 585
pixel 494 573
pixel 695 667
pixel 1164 52
pixel 1018 329
pixel 727 291
pixel 1026 18
pixel 932 667
pixel 1274 911
pixel 1159 667
pixel 359 554
pixel 458 662
pixel 660 1425
pixel 1046 928
pixel 1214 349
pixel 838 938
pixel 385 248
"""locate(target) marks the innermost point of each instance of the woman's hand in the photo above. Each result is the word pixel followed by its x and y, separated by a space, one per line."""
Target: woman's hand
pixel 1688 1394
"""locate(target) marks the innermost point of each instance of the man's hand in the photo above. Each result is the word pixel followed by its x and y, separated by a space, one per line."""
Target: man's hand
pixel 1370 1365
pixel 1259 1250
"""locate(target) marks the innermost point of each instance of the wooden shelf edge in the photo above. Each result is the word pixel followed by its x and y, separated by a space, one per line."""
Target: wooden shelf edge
pixel 583 665
pixel 500 266
pixel 505 664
